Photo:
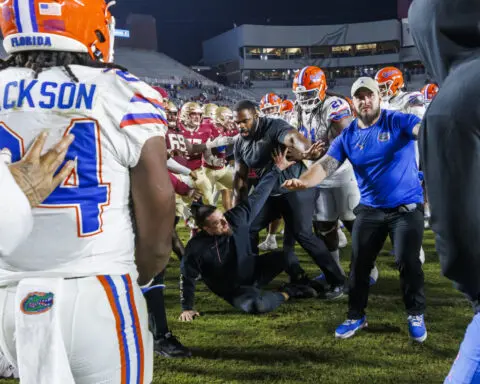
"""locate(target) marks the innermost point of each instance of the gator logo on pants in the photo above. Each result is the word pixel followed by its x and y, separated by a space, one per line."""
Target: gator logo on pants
pixel 36 303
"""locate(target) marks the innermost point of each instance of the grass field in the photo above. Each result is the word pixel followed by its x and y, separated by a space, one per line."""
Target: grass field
pixel 296 343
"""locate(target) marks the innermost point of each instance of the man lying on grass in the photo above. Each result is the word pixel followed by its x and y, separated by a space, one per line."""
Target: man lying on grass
pixel 221 253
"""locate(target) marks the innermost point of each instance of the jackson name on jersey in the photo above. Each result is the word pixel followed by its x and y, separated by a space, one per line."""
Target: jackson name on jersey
pixel 84 228
pixel 316 126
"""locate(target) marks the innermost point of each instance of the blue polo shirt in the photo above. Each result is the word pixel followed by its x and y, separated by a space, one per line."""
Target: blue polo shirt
pixel 383 159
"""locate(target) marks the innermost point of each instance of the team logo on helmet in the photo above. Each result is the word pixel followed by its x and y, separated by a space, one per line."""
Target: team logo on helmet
pixel 388 74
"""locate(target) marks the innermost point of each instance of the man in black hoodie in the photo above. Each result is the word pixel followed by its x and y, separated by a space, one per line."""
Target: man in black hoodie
pixel 447 35
pixel 222 254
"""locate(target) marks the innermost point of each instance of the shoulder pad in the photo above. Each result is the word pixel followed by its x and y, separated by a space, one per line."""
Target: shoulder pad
pixel 338 108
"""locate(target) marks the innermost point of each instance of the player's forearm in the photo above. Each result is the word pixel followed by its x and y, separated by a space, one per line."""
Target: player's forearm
pixel 196 148
pixel 297 141
pixel 154 208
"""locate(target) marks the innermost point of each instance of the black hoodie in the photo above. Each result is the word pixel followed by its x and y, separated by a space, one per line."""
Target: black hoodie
pixel 447 35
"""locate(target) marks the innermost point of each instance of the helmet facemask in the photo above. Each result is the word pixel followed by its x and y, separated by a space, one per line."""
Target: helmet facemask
pixel 308 99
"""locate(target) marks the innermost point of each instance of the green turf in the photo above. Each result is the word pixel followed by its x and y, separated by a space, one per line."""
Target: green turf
pixel 296 343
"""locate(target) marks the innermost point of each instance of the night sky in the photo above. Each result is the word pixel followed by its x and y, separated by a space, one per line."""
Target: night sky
pixel 183 24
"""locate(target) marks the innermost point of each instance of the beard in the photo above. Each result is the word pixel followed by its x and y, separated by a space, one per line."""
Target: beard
pixel 369 117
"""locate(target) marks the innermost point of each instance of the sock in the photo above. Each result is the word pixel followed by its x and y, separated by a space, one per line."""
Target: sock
pixel 427 212
pixel 271 237
pixel 156 309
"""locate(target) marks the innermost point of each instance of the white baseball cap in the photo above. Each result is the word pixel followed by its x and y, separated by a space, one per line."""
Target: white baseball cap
pixel 365 82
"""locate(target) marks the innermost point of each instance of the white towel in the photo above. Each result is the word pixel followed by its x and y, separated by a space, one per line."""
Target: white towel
pixel 41 353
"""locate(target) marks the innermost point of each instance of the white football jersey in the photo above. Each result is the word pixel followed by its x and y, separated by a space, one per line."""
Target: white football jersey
pixel 316 126
pixel 407 102
pixel 84 227
pixel 15 213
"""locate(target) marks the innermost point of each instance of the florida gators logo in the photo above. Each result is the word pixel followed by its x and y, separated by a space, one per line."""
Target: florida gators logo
pixel 383 136
pixel 315 77
pixel 388 74
pixel 36 303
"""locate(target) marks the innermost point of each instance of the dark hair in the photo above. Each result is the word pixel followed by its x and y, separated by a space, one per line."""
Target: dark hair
pixel 40 60
pixel 201 213
pixel 245 104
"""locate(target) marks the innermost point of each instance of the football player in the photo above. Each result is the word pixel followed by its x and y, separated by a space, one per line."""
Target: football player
pixel 77 267
pixel 201 137
pixel 270 105
pixel 394 97
pixel 429 92
pixel 287 110
pixel 321 118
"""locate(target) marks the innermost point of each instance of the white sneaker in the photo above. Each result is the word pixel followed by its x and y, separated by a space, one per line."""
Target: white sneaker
pixel 422 255
pixel 342 239
pixel 270 244
pixel 7 370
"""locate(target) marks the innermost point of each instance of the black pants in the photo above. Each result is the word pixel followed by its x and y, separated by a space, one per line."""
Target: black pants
pixel 296 208
pixel 371 228
pixel 251 299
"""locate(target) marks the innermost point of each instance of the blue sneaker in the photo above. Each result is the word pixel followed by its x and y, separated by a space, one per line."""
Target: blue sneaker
pixel 349 327
pixel 416 328
pixel 320 277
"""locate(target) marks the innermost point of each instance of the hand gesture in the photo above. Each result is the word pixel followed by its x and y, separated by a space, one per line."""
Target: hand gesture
pixel 280 159
pixel 294 185
pixel 188 315
pixel 35 173
pixel 316 151
pixel 195 194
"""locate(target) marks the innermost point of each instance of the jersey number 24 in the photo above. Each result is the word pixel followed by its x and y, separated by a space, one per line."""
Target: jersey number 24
pixel 84 189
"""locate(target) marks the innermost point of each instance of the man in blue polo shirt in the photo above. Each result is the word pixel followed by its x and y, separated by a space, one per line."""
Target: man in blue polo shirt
pixel 380 145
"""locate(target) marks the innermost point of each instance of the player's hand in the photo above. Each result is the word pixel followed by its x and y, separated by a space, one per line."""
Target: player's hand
pixel 280 159
pixel 35 173
pixel 294 185
pixel 195 194
pixel 188 315
pixel 316 151
pixel 295 155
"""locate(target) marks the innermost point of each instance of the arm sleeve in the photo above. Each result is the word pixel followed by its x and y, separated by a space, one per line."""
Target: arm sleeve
pixel 189 271
pixel 16 220
pixel 337 149
pixel 405 122
pixel 176 167
pixel 246 211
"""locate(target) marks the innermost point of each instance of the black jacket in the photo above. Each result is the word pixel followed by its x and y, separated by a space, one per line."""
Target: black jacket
pixel 225 262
